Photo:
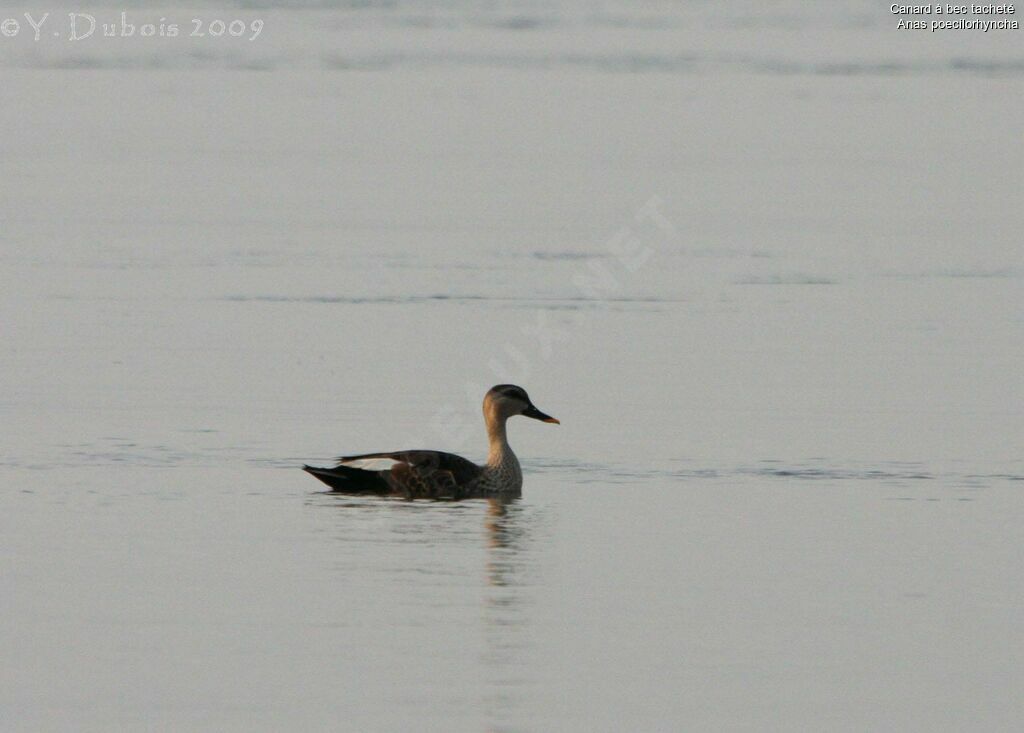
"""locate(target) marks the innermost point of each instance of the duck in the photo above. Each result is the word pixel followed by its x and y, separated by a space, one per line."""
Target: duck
pixel 429 474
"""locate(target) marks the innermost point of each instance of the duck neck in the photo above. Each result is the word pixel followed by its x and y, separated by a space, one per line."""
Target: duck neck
pixel 499 452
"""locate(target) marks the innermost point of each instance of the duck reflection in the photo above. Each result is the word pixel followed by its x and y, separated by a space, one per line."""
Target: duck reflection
pixel 504 559
pixel 504 533
pixel 506 610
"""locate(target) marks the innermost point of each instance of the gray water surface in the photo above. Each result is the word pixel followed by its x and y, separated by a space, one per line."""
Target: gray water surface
pixel 764 266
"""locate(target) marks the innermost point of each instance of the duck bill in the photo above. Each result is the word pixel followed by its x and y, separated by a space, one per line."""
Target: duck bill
pixel 536 414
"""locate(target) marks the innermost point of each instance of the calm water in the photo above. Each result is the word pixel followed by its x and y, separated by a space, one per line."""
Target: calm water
pixel 764 264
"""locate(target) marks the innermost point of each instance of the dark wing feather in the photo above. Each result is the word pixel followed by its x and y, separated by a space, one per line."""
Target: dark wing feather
pixel 462 469
pixel 425 473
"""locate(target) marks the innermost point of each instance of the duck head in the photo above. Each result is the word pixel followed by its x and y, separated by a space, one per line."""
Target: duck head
pixel 502 401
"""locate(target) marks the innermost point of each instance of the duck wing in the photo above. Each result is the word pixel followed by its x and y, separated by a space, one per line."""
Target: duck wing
pixel 428 474
pixel 461 468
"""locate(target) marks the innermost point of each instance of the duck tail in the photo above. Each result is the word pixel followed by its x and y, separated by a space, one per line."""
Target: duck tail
pixel 350 480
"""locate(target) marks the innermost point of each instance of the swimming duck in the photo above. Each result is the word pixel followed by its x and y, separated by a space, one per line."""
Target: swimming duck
pixel 428 474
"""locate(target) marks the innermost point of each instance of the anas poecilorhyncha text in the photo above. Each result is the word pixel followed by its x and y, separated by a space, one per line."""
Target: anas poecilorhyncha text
pixel 432 474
